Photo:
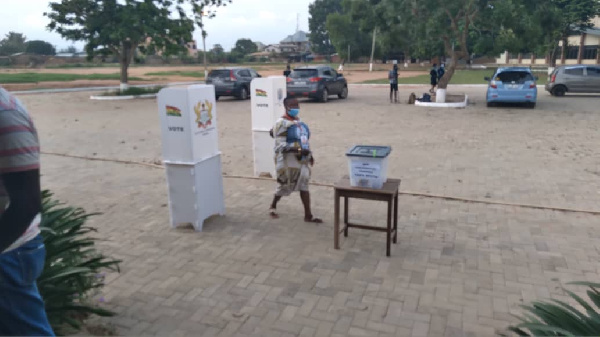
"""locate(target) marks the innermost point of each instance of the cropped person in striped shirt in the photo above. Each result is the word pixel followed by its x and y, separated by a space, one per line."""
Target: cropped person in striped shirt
pixel 22 251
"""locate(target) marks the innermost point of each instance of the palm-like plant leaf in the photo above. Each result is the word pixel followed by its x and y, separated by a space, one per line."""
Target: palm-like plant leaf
pixel 72 265
pixel 558 318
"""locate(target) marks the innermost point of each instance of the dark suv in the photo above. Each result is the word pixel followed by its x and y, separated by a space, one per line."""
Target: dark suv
pixel 232 81
pixel 316 82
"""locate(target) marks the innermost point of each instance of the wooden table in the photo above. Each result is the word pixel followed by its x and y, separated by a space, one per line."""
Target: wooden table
pixel 389 193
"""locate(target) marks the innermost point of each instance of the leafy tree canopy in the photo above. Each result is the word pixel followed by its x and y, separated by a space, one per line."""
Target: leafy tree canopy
pixel 12 43
pixel 317 24
pixel 244 47
pixel 39 47
pixel 120 27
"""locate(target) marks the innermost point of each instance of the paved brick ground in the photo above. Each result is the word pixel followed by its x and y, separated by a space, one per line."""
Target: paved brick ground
pixel 458 270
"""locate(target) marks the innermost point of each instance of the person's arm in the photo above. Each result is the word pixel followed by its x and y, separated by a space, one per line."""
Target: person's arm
pixel 280 135
pixel 19 174
pixel 23 189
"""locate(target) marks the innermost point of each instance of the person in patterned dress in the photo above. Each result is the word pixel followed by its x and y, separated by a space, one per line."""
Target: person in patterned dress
pixel 293 159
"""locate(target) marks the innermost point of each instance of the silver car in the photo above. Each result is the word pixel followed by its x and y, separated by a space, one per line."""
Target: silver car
pixel 574 79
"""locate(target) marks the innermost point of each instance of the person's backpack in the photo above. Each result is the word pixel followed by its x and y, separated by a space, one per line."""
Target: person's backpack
pixel 412 98
pixel 392 76
pixel 426 98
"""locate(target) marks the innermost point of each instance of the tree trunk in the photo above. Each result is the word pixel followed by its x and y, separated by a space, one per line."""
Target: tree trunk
pixel 125 58
pixel 552 60
pixel 450 69
pixel 372 50
pixel 124 75
pixel 563 52
pixel 204 47
pixel 581 47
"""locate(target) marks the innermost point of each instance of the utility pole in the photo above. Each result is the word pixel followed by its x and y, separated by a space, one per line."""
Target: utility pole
pixel 373 49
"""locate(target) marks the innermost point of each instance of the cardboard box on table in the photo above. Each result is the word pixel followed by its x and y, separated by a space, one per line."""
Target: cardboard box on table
pixel 191 154
pixel 267 95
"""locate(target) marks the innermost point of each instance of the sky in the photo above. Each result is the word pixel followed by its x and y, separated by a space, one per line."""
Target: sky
pixel 266 21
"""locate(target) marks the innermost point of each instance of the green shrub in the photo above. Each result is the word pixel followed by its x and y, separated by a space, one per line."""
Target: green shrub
pixel 558 318
pixel 134 91
pixel 73 271
pixel 56 77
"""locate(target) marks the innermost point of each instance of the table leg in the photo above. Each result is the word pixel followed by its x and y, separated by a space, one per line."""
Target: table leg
pixel 396 218
pixel 389 227
pixel 346 202
pixel 336 221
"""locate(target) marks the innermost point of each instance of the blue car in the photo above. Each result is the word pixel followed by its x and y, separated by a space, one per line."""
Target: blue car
pixel 512 85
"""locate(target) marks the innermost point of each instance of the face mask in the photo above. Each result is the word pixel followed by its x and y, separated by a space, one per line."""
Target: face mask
pixel 293 112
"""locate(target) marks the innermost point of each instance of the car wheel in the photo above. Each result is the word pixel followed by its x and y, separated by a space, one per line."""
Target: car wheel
pixel 324 95
pixel 490 104
pixel 531 105
pixel 217 98
pixel 559 90
pixel 244 93
pixel 344 93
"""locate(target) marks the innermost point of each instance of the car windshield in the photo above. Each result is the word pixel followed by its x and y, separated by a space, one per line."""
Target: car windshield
pixel 221 73
pixel 514 76
pixel 304 73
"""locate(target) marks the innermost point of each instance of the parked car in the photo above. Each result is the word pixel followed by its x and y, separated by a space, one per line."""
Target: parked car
pixel 575 78
pixel 317 82
pixel 512 85
pixel 232 81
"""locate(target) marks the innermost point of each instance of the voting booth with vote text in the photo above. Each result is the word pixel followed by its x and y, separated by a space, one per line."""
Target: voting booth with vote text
pixel 267 95
pixel 188 116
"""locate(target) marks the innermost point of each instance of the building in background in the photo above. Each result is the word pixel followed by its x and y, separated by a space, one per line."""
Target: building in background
pixel 192 48
pixel 260 46
pixel 582 48
pixel 299 39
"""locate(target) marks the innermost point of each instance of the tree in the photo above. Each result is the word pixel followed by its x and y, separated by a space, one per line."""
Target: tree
pixel 13 43
pixel 120 27
pixel 244 47
pixel 69 49
pixel 561 18
pixel 202 9
pixel 40 48
pixel 317 24
pixel 216 54
pixel 349 30
pixel 442 27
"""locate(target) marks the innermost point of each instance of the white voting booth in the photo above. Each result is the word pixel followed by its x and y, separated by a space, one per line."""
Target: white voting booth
pixel 267 94
pixel 188 116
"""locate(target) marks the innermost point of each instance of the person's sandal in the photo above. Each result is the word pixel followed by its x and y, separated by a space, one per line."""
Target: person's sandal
pixel 313 220
pixel 273 213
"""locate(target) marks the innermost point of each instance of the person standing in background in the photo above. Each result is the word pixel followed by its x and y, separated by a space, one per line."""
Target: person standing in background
pixel 441 72
pixel 393 78
pixel 433 74
pixel 287 71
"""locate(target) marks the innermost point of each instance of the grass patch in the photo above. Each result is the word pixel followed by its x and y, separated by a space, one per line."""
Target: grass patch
pixel 82 65
pixel 48 77
pixel 182 73
pixel 460 77
pixel 134 91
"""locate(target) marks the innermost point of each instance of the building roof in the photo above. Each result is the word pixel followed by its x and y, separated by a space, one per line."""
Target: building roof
pixel 592 31
pixel 298 37
pixel 261 53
